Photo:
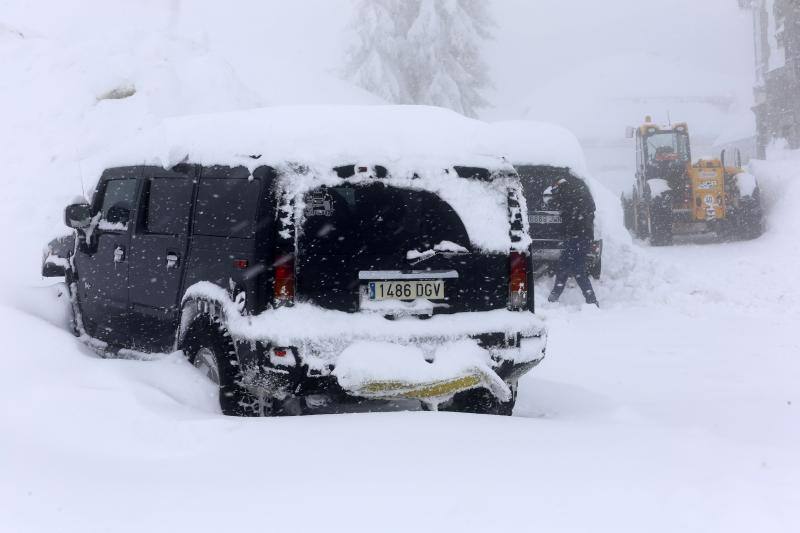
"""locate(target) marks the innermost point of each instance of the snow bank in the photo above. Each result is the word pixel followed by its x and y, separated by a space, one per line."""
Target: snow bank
pixel 620 389
pixel 779 183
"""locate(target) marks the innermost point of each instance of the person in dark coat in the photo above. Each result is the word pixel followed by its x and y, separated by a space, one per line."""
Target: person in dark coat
pixel 577 213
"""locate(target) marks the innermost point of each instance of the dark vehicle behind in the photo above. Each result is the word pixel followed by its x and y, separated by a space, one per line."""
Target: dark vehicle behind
pixel 546 226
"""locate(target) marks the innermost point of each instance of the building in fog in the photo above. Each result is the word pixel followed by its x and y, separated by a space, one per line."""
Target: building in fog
pixel 776 25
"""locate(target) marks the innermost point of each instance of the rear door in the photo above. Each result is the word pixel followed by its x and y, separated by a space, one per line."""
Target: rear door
pixel 158 254
pixel 103 262
pixel 358 237
pixel 224 228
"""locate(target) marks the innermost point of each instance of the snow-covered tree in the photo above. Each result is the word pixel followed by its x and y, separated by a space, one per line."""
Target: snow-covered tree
pixel 375 61
pixel 422 52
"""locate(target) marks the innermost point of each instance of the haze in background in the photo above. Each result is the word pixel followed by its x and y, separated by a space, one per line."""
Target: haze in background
pixel 597 67
pixel 538 42
pixel 594 67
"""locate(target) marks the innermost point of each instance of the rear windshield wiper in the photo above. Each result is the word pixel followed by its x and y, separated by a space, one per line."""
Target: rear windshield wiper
pixel 443 248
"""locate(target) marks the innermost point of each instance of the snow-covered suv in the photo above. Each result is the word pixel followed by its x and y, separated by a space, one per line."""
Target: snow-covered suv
pixel 291 287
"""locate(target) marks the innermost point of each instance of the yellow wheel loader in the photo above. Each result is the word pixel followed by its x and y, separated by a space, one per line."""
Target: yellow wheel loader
pixel 673 196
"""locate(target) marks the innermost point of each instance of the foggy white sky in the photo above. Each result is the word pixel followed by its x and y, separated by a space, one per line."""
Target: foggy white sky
pixel 541 39
pixel 707 43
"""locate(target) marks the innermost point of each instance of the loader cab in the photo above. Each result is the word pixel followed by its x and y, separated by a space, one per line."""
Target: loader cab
pixel 663 152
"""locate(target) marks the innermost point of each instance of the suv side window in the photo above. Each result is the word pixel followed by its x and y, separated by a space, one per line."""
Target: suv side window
pixel 168 205
pixel 227 207
pixel 118 199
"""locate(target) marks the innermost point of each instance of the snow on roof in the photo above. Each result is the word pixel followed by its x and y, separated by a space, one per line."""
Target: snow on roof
pixel 317 136
pixel 398 137
pixel 524 142
pixel 418 145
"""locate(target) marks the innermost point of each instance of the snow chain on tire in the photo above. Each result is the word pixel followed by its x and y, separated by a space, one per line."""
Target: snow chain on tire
pixel 234 398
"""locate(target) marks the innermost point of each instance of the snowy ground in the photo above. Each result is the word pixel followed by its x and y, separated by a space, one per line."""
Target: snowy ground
pixel 674 407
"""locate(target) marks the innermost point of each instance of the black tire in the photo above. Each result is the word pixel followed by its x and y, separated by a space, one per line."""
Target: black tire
pixel 660 221
pixel 208 335
pixel 640 230
pixel 627 212
pixel 70 281
pixel 750 219
pixel 482 402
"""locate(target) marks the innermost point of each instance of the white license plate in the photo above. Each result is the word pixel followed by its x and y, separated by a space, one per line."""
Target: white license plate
pixel 406 290
pixel 545 219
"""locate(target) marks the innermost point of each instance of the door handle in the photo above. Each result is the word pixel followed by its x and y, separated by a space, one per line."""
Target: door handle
pixel 172 260
pixel 119 254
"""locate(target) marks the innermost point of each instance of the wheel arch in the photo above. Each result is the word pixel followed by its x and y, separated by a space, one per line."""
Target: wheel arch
pixel 198 313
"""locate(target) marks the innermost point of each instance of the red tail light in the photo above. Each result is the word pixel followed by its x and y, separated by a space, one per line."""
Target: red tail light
pixel 518 281
pixel 284 282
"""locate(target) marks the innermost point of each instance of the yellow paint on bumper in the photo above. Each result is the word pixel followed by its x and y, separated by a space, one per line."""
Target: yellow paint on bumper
pixel 435 389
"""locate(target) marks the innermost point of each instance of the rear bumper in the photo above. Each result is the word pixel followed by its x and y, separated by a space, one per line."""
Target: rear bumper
pixel 404 365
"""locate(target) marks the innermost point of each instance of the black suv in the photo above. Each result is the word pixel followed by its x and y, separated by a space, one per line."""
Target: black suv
pixel 291 288
pixel 546 226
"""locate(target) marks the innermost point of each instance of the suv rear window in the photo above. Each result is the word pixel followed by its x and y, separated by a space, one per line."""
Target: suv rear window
pixel 378 219
pixel 227 207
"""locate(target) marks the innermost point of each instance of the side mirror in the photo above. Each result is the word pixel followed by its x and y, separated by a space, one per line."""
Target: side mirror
pixel 630 132
pixel 78 216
